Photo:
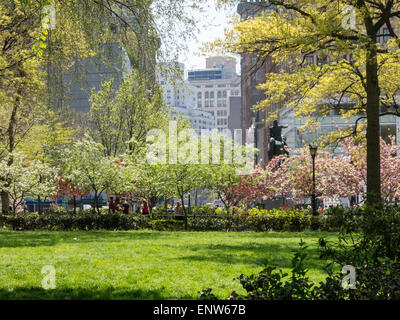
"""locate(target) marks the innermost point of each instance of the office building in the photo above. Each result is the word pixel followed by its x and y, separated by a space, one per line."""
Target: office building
pixel 182 99
pixel 214 86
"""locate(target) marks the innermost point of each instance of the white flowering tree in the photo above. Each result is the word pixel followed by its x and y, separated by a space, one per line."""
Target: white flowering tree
pixel 23 180
pixel 85 165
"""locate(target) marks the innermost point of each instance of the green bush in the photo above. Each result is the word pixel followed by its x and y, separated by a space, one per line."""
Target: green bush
pixel 166 225
pixel 69 222
pixel 201 219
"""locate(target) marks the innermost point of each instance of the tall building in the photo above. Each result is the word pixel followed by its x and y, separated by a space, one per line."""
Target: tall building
pixel 183 101
pixel 214 86
pixel 253 73
pixel 90 73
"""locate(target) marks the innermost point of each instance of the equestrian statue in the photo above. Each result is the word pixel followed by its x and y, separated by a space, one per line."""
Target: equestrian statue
pixel 277 142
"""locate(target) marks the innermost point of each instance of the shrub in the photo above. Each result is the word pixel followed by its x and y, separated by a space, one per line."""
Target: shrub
pixel 70 221
pixel 166 225
pixel 202 219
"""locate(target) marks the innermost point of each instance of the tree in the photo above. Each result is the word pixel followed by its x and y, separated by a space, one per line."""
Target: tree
pixel 32 57
pixel 87 168
pixel 67 188
pixel 355 75
pixel 390 169
pixel 120 119
pixel 25 180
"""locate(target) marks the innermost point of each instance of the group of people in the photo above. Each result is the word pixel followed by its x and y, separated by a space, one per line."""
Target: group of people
pixel 123 206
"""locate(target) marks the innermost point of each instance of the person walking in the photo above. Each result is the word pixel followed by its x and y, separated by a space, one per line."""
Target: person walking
pixel 125 206
pixel 111 205
pixel 144 209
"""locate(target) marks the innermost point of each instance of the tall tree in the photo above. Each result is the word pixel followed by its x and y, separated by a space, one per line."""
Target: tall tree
pixel 120 119
pixel 357 69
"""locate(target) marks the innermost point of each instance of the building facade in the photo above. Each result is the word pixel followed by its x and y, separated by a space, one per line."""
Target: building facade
pixel 90 73
pixel 214 86
pixel 182 99
pixel 253 73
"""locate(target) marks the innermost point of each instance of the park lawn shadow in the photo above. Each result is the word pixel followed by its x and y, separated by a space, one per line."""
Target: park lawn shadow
pixel 15 239
pixel 78 293
pixel 256 254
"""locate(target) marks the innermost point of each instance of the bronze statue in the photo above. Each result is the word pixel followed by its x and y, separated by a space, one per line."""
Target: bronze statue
pixel 277 142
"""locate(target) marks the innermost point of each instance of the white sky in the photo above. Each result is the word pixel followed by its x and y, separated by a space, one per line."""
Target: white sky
pixel 213 24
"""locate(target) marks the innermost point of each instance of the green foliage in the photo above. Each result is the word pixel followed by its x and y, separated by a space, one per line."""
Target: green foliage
pixel 166 225
pixel 120 118
pixel 71 222
pixel 211 219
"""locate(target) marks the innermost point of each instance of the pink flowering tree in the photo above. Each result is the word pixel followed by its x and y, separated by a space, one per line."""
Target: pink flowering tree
pixel 336 175
pixel 390 165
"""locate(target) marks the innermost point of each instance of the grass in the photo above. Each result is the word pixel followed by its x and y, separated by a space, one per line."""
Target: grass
pixel 143 264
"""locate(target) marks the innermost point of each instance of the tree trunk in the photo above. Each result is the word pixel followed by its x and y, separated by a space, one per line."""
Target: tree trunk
pixel 74 199
pixel 185 213
pixel 39 206
pixel 373 128
pixel 5 197
pixel 5 202
pixel 96 202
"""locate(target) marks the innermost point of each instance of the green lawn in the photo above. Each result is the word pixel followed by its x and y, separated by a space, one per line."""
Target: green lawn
pixel 142 264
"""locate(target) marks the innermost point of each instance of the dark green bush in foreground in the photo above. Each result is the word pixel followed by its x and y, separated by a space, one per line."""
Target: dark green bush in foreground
pixel 374 252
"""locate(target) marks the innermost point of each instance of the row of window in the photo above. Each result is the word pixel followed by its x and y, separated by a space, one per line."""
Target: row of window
pixel 219 86
pixel 211 95
pixel 211 104
pixel 222 122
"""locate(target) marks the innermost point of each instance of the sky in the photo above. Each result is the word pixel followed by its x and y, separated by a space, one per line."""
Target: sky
pixel 213 25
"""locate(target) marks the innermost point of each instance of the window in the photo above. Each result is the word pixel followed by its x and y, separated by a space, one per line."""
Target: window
pixel 219 94
pixel 209 86
pixel 222 86
pixel 385 32
pixel 199 104
pixel 224 93
pixel 199 95
pixel 322 60
pixel 309 60
pixel 206 95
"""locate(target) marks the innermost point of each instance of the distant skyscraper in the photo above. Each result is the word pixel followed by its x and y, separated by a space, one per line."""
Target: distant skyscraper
pixel 215 85
pixel 90 73
pixel 182 100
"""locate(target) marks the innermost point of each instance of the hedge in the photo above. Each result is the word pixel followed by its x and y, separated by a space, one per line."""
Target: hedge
pixel 207 220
